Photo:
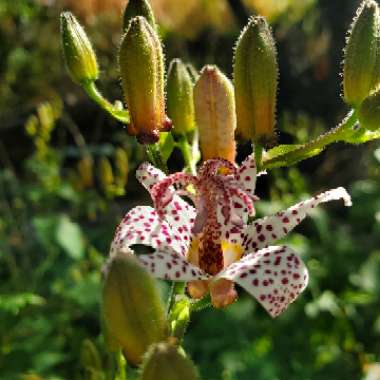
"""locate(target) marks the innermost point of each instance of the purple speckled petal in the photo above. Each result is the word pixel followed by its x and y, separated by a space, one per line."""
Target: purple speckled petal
pixel 171 267
pixel 264 231
pixel 143 226
pixel 275 276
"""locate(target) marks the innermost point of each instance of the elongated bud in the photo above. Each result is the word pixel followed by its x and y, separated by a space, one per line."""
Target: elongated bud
pixel 180 97
pixel 121 165
pixel 142 72
pixel 79 55
pixel 359 76
pixel 215 114
pixel 138 8
pixel 369 112
pixel 133 313
pixel 106 177
pixel 165 361
pixel 255 80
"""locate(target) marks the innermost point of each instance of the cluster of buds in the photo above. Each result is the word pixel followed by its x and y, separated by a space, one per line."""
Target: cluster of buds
pixel 206 102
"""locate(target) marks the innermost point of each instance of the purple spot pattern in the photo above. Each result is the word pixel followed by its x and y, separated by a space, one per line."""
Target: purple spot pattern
pixel 172 267
pixel 224 196
pixel 271 228
pixel 178 213
pixel 143 226
pixel 275 276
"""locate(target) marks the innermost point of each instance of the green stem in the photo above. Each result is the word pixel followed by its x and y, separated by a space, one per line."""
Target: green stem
pixel 339 133
pixel 97 97
pixel 187 153
pixel 177 288
pixel 154 154
pixel 258 156
pixel 121 365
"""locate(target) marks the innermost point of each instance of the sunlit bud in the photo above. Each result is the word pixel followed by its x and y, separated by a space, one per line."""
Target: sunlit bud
pixel 359 76
pixel 121 165
pixel 255 80
pixel 180 97
pixel 106 177
pixel 90 360
pixel 142 72
pixel 85 170
pixel 369 112
pixel 79 55
pixel 165 361
pixel 215 114
pixel 133 313
pixel 138 8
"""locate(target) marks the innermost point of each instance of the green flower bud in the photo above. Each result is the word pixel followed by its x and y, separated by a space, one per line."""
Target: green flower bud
pixel 138 8
pixel 369 112
pixel 133 313
pixel 165 361
pixel 142 72
pixel 215 114
pixel 180 97
pixel 77 49
pixel 255 80
pixel 359 74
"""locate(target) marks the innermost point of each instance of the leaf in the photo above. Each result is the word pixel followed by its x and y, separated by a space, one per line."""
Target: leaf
pixel 69 237
pixel 13 303
pixel 285 155
pixel 179 317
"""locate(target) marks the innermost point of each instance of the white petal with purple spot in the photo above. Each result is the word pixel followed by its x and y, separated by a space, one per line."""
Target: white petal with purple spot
pixel 171 267
pixel 264 231
pixel 247 175
pixel 275 276
pixel 143 226
pixel 178 213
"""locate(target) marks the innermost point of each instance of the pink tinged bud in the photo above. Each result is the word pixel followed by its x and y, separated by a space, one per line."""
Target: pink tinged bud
pixel 180 97
pixel 362 58
pixel 141 64
pixel 133 313
pixel 77 49
pixel 165 361
pixel 215 114
pixel 255 81
pixel 369 112
pixel 222 293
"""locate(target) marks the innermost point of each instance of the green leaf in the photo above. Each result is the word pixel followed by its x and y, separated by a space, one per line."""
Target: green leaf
pixel 69 237
pixel 13 303
pixel 285 155
pixel 180 317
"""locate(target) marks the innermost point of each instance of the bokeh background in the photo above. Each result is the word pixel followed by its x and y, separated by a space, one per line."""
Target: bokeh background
pixel 63 190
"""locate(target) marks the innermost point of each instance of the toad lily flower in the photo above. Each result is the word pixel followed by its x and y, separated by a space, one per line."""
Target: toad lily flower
pixel 212 246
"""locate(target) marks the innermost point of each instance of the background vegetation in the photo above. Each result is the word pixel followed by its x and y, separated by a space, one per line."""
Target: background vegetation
pixel 63 190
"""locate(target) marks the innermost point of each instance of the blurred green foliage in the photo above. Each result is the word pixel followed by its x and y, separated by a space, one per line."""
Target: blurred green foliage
pixel 58 213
